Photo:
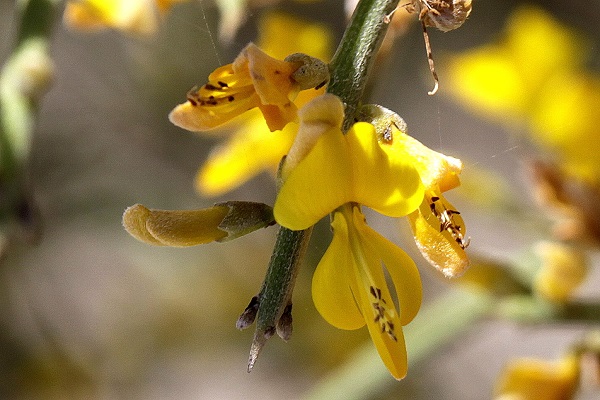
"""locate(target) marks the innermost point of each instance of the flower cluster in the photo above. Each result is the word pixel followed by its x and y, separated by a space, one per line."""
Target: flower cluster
pixel 133 16
pixel 327 171
pixel 535 77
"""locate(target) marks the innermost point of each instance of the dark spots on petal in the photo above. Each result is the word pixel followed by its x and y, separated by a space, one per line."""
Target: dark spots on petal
pixel 320 85
pixel 373 292
pixel 447 222
pixel 230 98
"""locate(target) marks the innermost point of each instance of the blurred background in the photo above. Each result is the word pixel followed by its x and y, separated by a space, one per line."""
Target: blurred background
pixel 89 312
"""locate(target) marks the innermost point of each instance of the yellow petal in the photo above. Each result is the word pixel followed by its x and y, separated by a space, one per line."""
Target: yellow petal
pixel 175 228
pixel 533 379
pixel 135 16
pixel 436 170
pixel 309 37
pixel 331 291
pixel 317 163
pixel 227 94
pixel 252 149
pixel 566 123
pixel 401 268
pixel 563 269
pixel 387 183
pixel 271 77
pixel 326 169
pixel 441 240
pixel 371 292
pixel 487 80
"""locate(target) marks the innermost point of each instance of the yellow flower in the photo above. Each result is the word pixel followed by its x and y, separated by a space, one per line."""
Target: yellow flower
pixel 349 286
pixel 182 228
pixel 253 147
pixel 563 269
pixel 566 122
pixel 438 228
pixel 533 379
pixel 327 171
pixel 134 16
pixel 503 80
pixel 254 79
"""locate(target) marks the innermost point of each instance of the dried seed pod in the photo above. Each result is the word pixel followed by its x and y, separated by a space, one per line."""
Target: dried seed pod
pixel 444 15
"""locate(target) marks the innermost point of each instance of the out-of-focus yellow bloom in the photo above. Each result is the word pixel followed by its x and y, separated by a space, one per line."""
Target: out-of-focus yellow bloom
pixel 134 16
pixel 182 228
pixel 535 76
pixel 533 379
pixel 566 122
pixel 563 269
pixel 326 171
pixel 504 80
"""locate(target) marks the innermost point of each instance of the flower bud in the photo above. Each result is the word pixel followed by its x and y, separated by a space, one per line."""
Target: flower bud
pixel 182 228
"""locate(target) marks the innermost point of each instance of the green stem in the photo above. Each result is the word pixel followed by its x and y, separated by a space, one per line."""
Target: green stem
pixel 23 79
pixel 355 56
pixel 349 72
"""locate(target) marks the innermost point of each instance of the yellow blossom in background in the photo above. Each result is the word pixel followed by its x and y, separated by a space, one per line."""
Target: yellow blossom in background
pixel 533 379
pixel 535 76
pixel 327 171
pixel 503 80
pixel 133 16
pixel 566 122
pixel 252 147
pixel 563 269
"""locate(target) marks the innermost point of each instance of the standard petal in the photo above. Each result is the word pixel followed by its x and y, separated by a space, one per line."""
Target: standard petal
pixel 331 291
pixel 271 77
pixel 317 185
pixel 389 185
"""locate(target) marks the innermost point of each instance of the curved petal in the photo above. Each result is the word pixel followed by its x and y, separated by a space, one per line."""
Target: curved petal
pixel 435 169
pixel 373 297
pixel 331 291
pixel 271 77
pixel 441 242
pixel 389 185
pixel 401 268
pixel 326 169
pixel 227 94
pixel 319 150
